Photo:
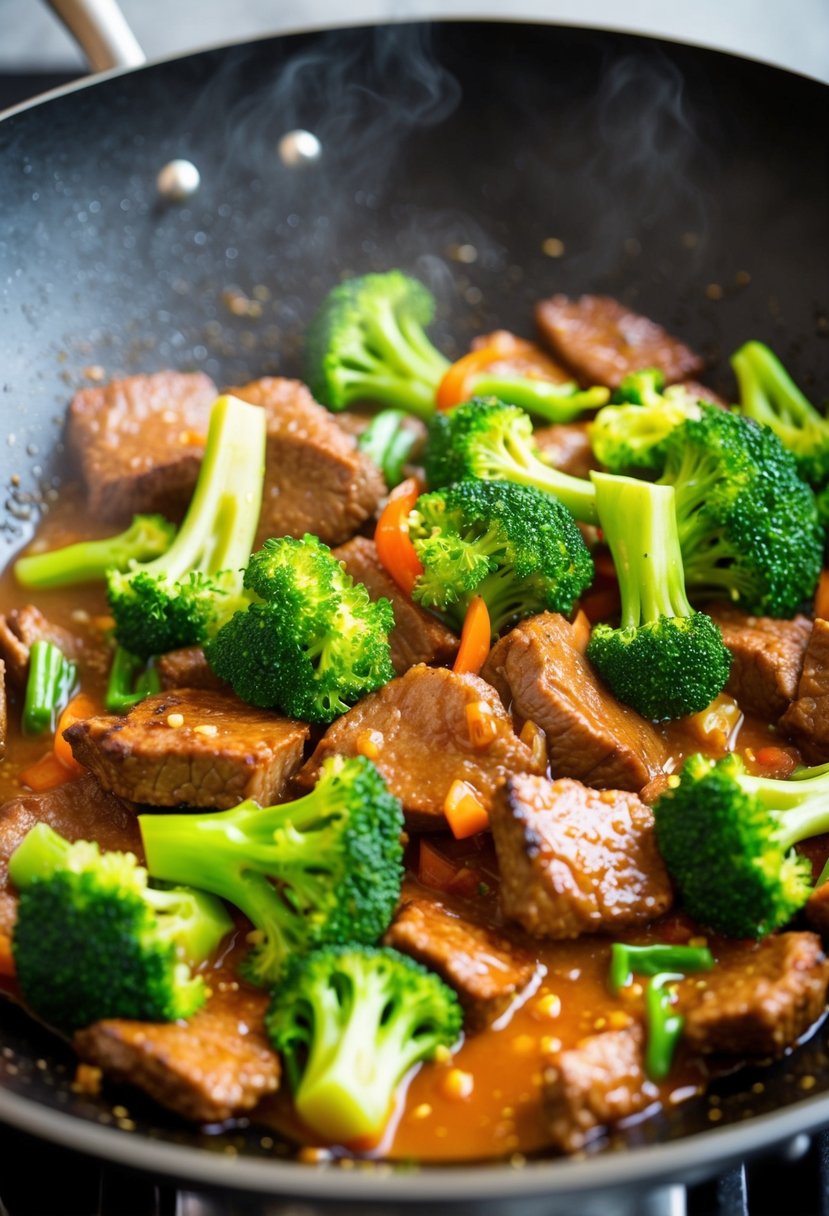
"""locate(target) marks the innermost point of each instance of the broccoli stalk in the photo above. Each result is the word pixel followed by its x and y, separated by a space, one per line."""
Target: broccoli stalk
pixel 185 595
pixel 49 686
pixel 325 868
pixel 552 401
pixel 665 659
pixel 93 941
pixel 726 838
pixel 130 681
pixel 148 536
pixel 388 442
pixel 367 342
pixel 519 549
pixel 349 1024
pixel 491 441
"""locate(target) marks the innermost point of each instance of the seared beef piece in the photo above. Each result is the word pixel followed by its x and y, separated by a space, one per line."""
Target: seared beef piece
pixel 416 731
pixel 759 999
pixel 79 810
pixel 188 668
pixel 139 442
pixel 528 360
pixel 417 637
pixel 703 393
pixel 566 446
pixel 210 1068
pixel 484 967
pixel 594 1085
pixel 225 751
pixel 19 630
pixel 768 658
pixel 590 735
pixel 602 341
pixel 817 910
pixel 316 479
pixel 3 709
pixel 807 718
pixel 576 860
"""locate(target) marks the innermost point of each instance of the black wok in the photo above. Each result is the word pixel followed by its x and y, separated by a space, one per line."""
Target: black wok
pixel 691 184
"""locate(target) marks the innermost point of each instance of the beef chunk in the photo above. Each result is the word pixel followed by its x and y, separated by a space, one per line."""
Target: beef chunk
pixel 602 341
pixel 139 442
pixel 4 710
pixel 703 393
pixel 210 1068
pixel 807 718
pixel 768 658
pixel 188 668
pixel 486 969
pixel 221 753
pixel 79 810
pixel 759 999
pixel 417 636
pixel 517 357
pixel 590 736
pixel 416 730
pixel 576 860
pixel 595 1085
pixel 19 630
pixel 566 446
pixel 316 479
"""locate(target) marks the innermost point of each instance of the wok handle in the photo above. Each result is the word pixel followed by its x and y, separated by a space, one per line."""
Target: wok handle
pixel 101 31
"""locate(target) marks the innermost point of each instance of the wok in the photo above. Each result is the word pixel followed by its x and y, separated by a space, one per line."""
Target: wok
pixel 500 162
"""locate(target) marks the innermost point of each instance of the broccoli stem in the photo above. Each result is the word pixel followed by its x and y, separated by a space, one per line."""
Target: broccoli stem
pixel 413 396
pixel 389 444
pixel 526 469
pixel 767 392
pixel 130 681
pixel 417 357
pixel 148 536
pixel 553 402
pixel 48 687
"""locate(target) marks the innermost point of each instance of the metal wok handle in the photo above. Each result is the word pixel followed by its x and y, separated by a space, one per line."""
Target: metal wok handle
pixel 101 31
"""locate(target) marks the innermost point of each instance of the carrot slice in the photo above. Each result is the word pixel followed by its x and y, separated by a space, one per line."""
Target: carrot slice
pixel 464 812
pixel 481 724
pixel 779 759
pixel 79 709
pixel 47 773
pixel 822 596
pixel 394 548
pixel 476 638
pixel 6 957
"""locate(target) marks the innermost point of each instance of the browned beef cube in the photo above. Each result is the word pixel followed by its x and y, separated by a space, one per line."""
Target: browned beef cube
pixel 759 999
pixel 590 736
pixel 188 668
pixel 316 479
pixel 191 747
pixel 566 446
pixel 594 1085
pixel 602 341
pixel 807 718
pixel 417 637
pixel 19 630
pixel 768 658
pixel 817 910
pixel 139 442
pixel 417 732
pixel 486 969
pixel 576 860
pixel 210 1068
pixel 79 810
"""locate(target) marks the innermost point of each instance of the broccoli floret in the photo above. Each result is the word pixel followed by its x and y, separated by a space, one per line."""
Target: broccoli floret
pixel 315 644
pixel 517 548
pixel 770 396
pixel 349 1024
pixel 494 442
pixel 644 387
pixel 665 659
pixel 92 940
pixel 182 597
pixel 49 685
pixel 367 342
pixel 324 869
pixel 748 526
pixel 389 442
pixel 727 839
pixel 633 436
pixel 148 536
pixel 130 681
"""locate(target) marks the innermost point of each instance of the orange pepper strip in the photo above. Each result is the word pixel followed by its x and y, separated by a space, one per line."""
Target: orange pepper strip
pixel 464 812
pixel 394 548
pixel 46 774
pixel 6 957
pixel 459 380
pixel 476 638
pixel 822 596
pixel 79 709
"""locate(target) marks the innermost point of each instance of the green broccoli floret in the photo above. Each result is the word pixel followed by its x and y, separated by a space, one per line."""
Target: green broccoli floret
pixel 182 597
pixel 367 342
pixel 633 436
pixel 727 839
pixel 349 1024
pixel 770 396
pixel 316 643
pixel 748 526
pixel 324 869
pixel 130 681
pixel 517 548
pixel 148 536
pixel 92 940
pixel 665 659
pixel 389 442
pixel 644 387
pixel 491 441
pixel 49 685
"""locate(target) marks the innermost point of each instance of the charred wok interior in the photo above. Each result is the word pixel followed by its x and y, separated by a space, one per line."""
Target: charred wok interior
pixel 241 1070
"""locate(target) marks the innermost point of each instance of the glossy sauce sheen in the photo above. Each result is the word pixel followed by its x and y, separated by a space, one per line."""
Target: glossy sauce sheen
pixel 498 1111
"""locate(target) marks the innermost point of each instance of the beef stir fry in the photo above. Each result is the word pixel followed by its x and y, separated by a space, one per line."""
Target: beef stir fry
pixel 427 762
